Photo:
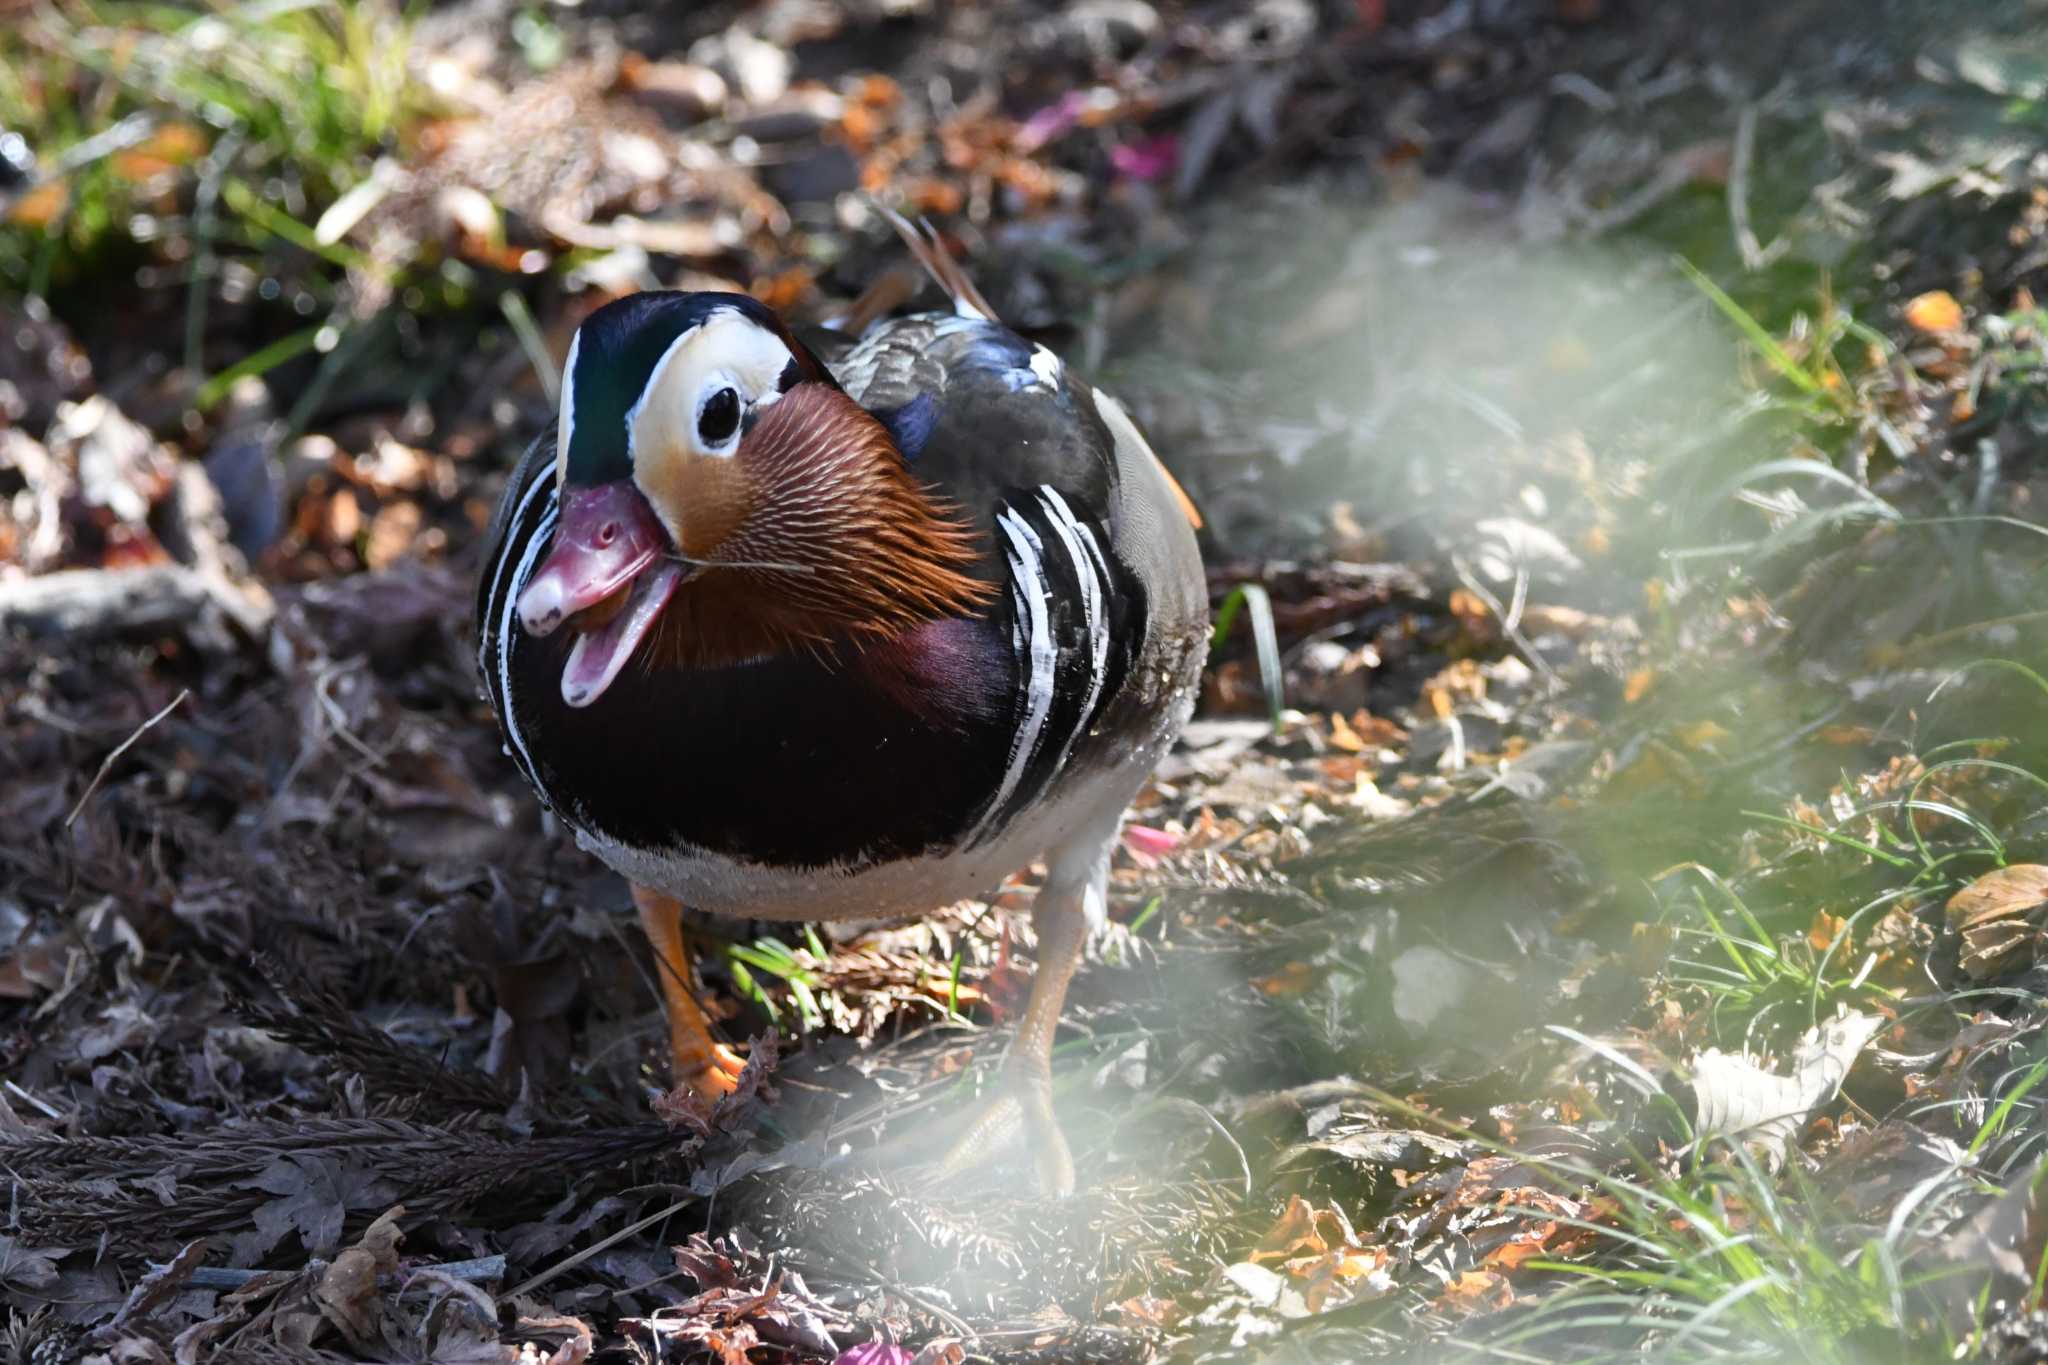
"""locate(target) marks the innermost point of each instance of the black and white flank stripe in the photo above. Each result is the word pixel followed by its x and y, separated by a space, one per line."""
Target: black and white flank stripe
pixel 529 512
pixel 1064 599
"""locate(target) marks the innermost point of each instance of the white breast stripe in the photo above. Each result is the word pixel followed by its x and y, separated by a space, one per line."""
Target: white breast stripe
pixel 506 710
pixel 485 641
pixel 1094 604
pixel 1027 581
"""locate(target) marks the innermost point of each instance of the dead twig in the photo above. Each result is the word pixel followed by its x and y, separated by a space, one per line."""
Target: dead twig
pixel 231 1278
pixel 123 747
pixel 1755 255
pixel 1509 618
pixel 568 1263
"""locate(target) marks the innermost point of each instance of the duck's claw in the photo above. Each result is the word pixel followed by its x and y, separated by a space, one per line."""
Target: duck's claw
pixel 711 1072
pixel 1023 1108
pixel 697 1059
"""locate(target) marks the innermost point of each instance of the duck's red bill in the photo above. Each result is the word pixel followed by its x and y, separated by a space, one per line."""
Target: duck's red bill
pixel 608 565
pixel 597 656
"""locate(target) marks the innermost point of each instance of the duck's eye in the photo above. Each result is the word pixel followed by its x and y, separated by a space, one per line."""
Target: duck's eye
pixel 719 418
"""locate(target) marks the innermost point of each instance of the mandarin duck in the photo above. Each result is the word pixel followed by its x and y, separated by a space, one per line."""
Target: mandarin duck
pixel 784 640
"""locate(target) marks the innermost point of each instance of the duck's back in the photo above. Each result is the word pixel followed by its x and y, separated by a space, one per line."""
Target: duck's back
pixel 1086 536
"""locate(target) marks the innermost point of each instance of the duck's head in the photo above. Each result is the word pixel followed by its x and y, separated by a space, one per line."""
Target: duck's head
pixel 722 499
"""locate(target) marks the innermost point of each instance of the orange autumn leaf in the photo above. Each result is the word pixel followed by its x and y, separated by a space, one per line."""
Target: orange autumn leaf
pixel 1472 613
pixel 1478 1291
pixel 1292 979
pixel 1153 1312
pixel 41 206
pixel 1332 1275
pixel 1509 1255
pixel 1460 681
pixel 1349 1263
pixel 784 289
pixel 1318 1246
pixel 169 147
pixel 1934 311
pixel 1567 621
pixel 1703 734
pixel 1302 1228
pixel 879 91
pixel 1377 729
pixel 1824 930
pixel 344 518
pixel 1295 1229
pixel 1342 736
pixel 1845 736
pixel 965 993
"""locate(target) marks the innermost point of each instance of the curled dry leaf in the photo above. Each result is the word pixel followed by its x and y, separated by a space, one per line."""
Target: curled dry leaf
pixel 575 1348
pixel 2000 917
pixel 347 1291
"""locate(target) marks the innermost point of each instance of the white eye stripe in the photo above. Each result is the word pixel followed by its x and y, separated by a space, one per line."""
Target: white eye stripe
pixel 727 350
pixel 654 384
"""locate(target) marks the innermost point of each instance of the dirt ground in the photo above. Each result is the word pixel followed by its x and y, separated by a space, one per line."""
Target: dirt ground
pixel 1594 914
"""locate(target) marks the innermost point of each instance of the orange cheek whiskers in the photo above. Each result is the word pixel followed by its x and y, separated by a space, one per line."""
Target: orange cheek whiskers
pixel 837 543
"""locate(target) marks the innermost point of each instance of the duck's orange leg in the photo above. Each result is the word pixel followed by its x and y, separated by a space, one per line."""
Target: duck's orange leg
pixel 1072 897
pixel 701 1062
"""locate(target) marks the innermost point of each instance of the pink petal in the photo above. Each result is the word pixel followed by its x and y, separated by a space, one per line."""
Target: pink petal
pixel 1151 159
pixel 1148 845
pixel 874 1353
pixel 1049 122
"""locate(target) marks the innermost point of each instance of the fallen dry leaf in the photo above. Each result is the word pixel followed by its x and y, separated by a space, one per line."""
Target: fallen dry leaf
pixel 1478 1291
pixel 1377 729
pixel 1824 930
pixel 1740 1101
pixel 1998 916
pixel 1701 735
pixel 41 206
pixel 1568 621
pixel 1519 1248
pixel 1845 735
pixel 2013 890
pixel 1474 615
pixel 1151 1311
pixel 1302 1227
pixel 1342 736
pixel 347 1291
pixel 1319 1246
pixel 1292 979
